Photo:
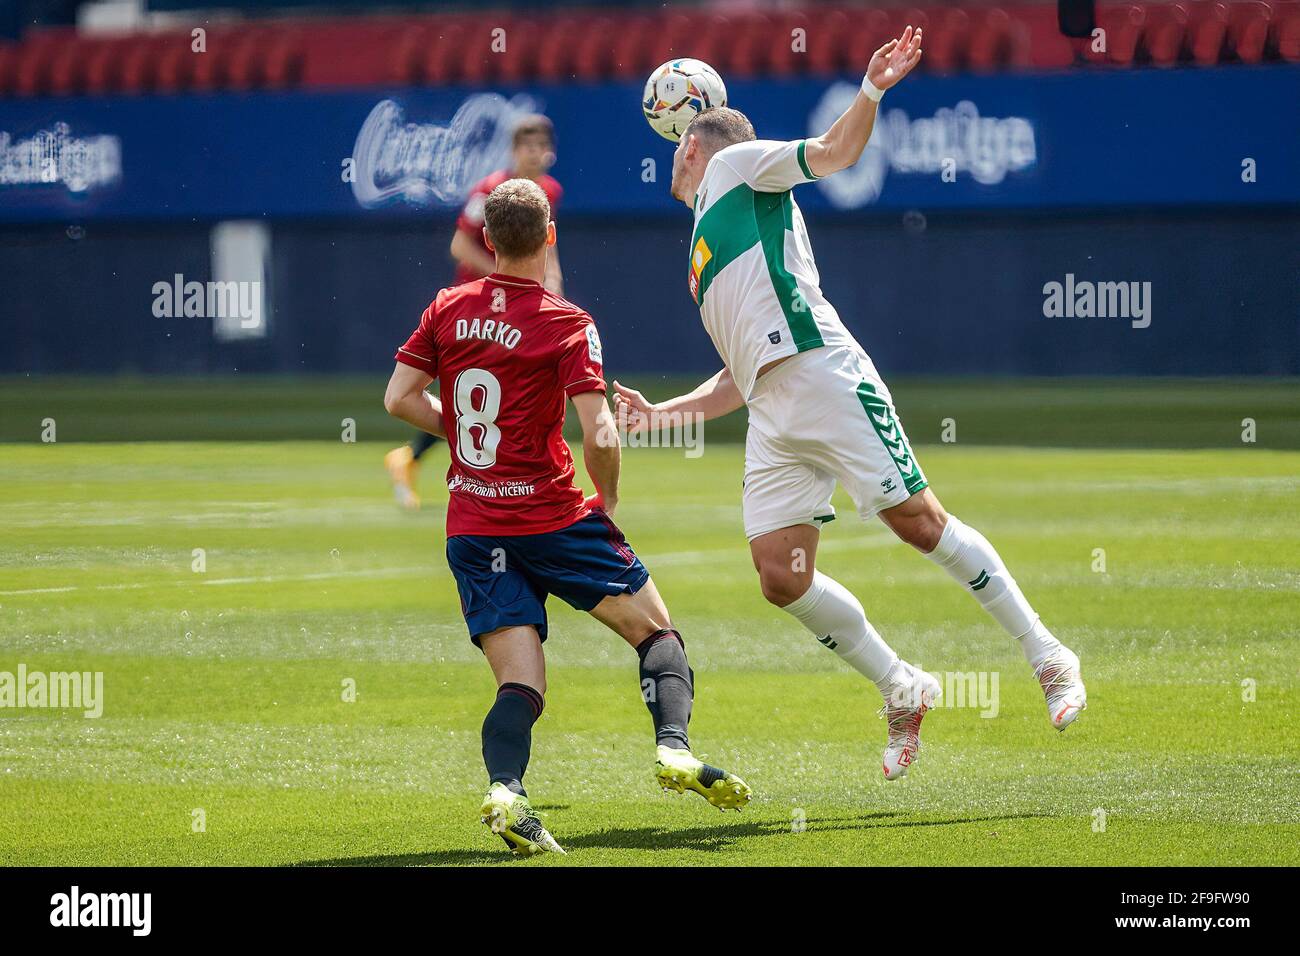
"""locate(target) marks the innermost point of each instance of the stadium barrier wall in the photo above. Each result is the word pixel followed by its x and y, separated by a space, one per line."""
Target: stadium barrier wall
pixel 934 276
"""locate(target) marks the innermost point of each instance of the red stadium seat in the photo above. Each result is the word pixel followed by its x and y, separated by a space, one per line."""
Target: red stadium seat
pixel 828 38
pixel 1208 30
pixel 945 41
pixel 137 65
pixel 1165 33
pixel 208 69
pixel 787 44
pixel 406 65
pixel 443 57
pixel 594 53
pixel 871 28
pixel 1038 41
pixel 631 57
pixel 174 63
pixel 556 42
pixel 597 43
pixel 32 65
pixel 1285 36
pixel 990 41
pixel 1123 26
pixel 282 63
pixel 67 67
pixel 102 69
pixel 750 38
pixel 244 64
pixel 1248 28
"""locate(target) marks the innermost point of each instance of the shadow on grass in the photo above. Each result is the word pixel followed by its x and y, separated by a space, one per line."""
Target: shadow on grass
pixel 711 838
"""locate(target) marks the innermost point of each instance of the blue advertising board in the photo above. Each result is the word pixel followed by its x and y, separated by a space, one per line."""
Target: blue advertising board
pixel 1080 139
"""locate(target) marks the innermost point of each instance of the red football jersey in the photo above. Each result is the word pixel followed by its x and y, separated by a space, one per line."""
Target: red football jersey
pixel 507 354
pixel 471 216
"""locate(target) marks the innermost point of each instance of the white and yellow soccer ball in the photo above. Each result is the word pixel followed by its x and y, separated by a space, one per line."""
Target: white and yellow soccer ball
pixel 676 91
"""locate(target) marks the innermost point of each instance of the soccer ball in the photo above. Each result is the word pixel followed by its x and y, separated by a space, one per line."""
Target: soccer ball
pixel 676 91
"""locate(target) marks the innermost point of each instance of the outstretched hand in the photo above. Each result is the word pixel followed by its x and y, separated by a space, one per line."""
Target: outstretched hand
pixel 895 59
pixel 631 409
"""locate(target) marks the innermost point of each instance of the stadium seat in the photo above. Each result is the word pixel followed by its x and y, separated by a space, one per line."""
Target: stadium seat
pixel 32 64
pixel 781 55
pixel 1123 26
pixel 1208 31
pixel 828 38
pixel 990 41
pixel 407 62
pixel 174 63
pixel 602 42
pixel 557 42
pixel 1165 33
pixel 871 28
pixel 1037 41
pixel 443 59
pixel 749 45
pixel 1286 35
pixel 946 40
pixel 630 54
pixel 137 65
pixel 1248 29
pixel 593 57
pixel 8 58
pixel 67 67
pixel 102 69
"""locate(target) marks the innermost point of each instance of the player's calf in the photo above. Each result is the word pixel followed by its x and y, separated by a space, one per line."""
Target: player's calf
pixel 668 688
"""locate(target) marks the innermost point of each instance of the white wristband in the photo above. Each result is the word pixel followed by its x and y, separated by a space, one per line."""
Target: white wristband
pixel 871 91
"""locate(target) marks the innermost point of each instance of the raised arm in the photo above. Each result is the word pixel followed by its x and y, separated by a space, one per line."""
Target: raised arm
pixel 841 146
pixel 714 398
pixel 600 448
pixel 406 398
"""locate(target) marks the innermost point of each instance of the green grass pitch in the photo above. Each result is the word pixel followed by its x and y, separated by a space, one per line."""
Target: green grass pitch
pixel 224 688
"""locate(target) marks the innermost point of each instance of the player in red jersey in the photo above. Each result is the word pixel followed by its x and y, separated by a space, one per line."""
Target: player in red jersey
pixel 532 154
pixel 507 353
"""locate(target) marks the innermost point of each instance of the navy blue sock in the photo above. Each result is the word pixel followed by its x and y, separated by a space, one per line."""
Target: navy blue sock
pixel 421 443
pixel 667 686
pixel 508 734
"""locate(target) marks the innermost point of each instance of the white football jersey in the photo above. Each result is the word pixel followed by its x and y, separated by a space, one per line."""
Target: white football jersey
pixel 752 270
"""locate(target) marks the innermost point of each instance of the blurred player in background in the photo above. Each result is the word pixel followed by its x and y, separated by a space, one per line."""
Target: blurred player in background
pixel 818 410
pixel 507 352
pixel 532 155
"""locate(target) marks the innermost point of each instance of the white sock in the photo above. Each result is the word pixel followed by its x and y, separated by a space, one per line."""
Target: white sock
pixel 967 555
pixel 836 618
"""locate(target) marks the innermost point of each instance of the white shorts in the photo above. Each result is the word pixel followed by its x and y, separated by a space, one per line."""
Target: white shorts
pixel 819 417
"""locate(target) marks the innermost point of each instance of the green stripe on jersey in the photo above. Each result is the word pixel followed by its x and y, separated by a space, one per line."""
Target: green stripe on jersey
pixel 891 435
pixel 729 230
pixel 775 215
pixel 738 221
pixel 803 159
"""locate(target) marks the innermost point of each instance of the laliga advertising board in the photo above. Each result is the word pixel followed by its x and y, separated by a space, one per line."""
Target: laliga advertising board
pixel 968 142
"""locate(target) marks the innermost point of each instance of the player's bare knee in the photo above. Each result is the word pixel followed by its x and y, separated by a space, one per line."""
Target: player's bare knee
pixel 782 584
pixel 921 532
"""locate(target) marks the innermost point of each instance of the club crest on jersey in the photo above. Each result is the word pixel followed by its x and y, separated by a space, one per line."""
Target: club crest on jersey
pixel 700 257
pixel 489 330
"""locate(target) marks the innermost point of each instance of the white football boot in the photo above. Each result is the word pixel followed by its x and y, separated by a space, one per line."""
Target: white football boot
pixel 904 710
pixel 1062 683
